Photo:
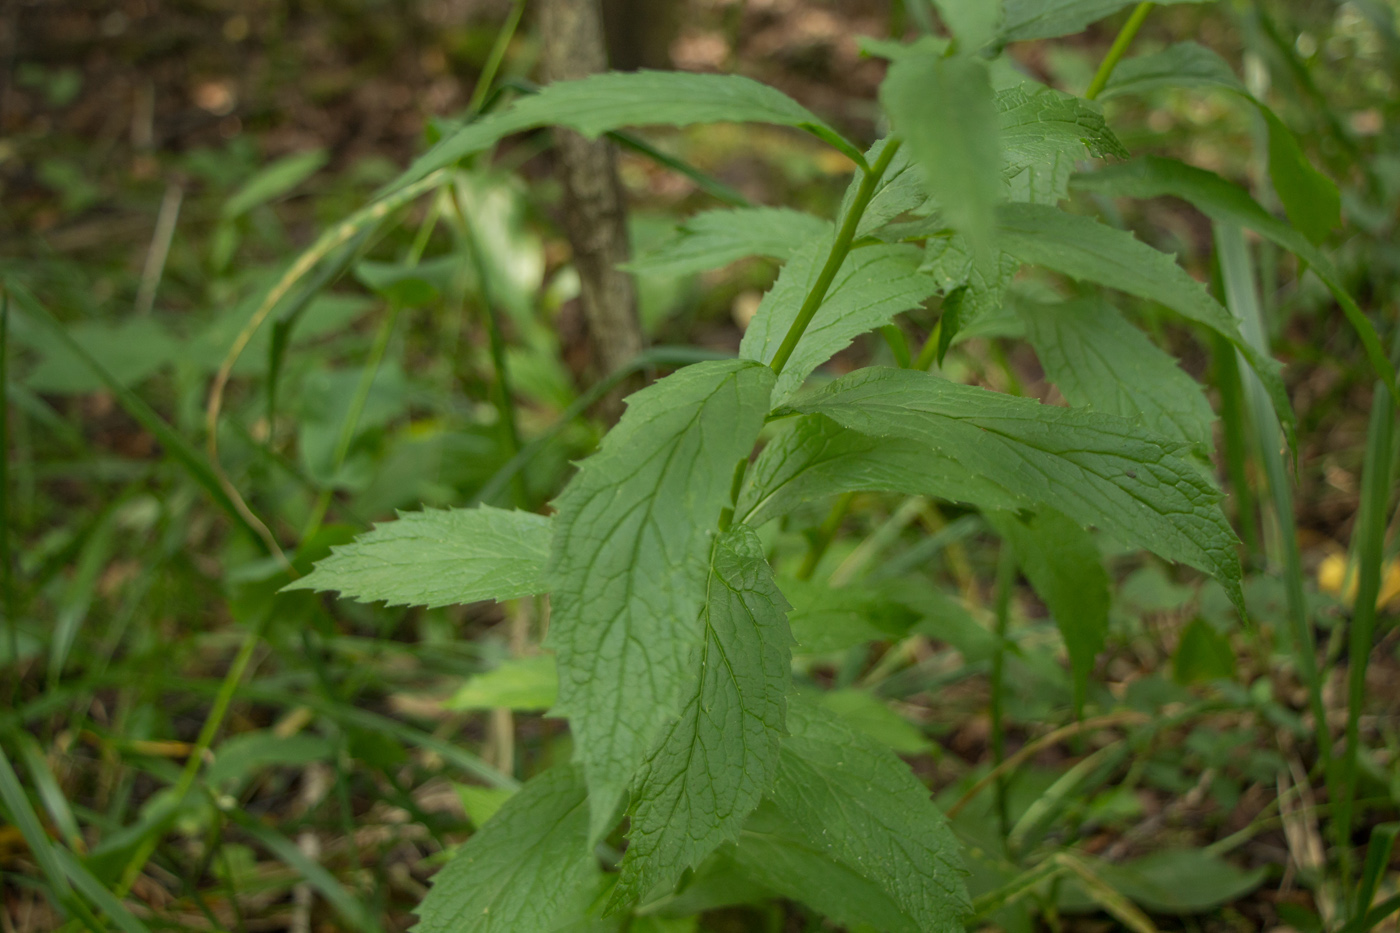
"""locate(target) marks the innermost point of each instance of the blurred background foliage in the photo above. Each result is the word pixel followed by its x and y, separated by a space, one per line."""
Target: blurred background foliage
pixel 162 163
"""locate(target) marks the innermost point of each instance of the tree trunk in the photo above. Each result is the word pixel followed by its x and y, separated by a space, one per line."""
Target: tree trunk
pixel 595 210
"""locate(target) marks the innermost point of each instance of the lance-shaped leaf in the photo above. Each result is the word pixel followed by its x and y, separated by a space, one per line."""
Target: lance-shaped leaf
pixel 1063 565
pixel 816 458
pixel 860 807
pixel 874 284
pixel 629 561
pixel 716 760
pixel 1218 199
pixel 604 102
pixel 944 110
pixel 1045 19
pixel 1185 64
pixel 1082 248
pixel 713 239
pixel 1096 468
pixel 1098 360
pixel 519 872
pixel 440 557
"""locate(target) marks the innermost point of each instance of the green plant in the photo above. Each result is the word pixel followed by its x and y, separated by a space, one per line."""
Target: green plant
pixel 670 631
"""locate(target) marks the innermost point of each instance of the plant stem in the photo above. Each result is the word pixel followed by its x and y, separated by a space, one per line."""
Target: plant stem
pixel 1116 51
pixel 929 352
pixel 498 54
pixel 839 250
pixel 7 582
pixel 1370 556
pixel 222 700
pixel 1006 575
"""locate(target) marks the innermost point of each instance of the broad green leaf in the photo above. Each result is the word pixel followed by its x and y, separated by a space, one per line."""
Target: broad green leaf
pixel 1185 64
pixel 1218 199
pixel 439 557
pixel 861 807
pixel 874 284
pixel 1041 124
pixel 604 102
pixel 1312 200
pixel 1098 360
pixel 951 264
pixel 1095 468
pixel 716 238
pixel 826 618
pixel 528 684
pixel 1180 881
pixel 274 181
pixel 716 760
pixel 520 869
pixel 1202 654
pixel 630 558
pixel 781 855
pixel 1063 565
pixel 817 457
pixel 1045 19
pixel 1082 248
pixel 481 803
pixel 944 110
pixel 871 717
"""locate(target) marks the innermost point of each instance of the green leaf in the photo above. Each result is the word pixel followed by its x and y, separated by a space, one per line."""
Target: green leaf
pixel 860 807
pixel 1154 177
pixel 1095 468
pixel 1098 360
pixel 481 803
pixel 1184 64
pixel 874 284
pixel 1181 881
pixel 1312 200
pixel 1045 19
pixel 604 102
pixel 983 284
pixel 817 457
pixel 973 23
pixel 629 561
pixel 1202 654
pixel 528 684
pixel 826 618
pixel 439 557
pixel 1063 565
pixel 870 717
pixel 131 351
pixel 274 181
pixel 713 239
pixel 714 763
pixel 1082 248
pixel 1042 124
pixel 518 872
pixel 900 190
pixel 246 753
pixel 944 110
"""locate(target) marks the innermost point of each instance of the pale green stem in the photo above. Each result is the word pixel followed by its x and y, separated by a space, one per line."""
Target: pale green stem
pixel 1117 50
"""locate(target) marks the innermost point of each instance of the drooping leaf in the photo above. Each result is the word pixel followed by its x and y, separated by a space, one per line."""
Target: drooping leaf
pixel 874 284
pixel 1312 200
pixel 1082 248
pixel 527 684
pixel 1183 64
pixel 817 457
pixel 604 102
pixel 1063 565
pixel 1095 468
pixel 629 562
pixel 1098 360
pixel 520 869
pixel 860 807
pixel 716 238
pixel 1045 19
pixel 716 760
pixel 945 111
pixel 439 557
pixel 1153 177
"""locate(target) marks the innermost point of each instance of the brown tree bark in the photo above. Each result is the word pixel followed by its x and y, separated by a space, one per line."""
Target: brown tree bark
pixel 595 210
